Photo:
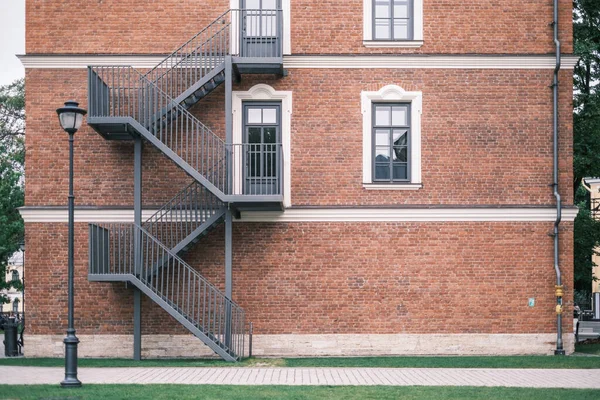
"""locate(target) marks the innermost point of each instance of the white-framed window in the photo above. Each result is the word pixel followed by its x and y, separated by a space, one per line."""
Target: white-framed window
pixel 264 93
pixel 392 23
pixel 392 113
pixel 285 7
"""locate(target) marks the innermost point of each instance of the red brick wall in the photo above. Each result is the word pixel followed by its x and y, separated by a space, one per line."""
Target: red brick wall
pixel 333 278
pixel 317 27
pixel 486 139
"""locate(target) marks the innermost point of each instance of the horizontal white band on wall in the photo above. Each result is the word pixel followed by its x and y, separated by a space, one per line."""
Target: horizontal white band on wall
pixel 489 214
pixel 348 61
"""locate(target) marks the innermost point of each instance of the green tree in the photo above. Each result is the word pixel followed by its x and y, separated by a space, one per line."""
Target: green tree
pixel 12 158
pixel 586 131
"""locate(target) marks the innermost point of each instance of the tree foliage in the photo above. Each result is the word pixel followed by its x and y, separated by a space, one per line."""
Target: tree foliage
pixel 586 131
pixel 12 158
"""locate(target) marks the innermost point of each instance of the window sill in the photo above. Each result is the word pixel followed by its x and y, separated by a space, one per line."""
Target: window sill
pixel 393 43
pixel 393 186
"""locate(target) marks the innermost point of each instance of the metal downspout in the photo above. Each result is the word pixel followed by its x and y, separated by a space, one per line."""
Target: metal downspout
pixel 558 288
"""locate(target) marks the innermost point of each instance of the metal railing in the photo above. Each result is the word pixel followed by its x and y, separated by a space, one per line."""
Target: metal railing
pixel 188 294
pixel 117 91
pixel 121 91
pixel 181 216
pixel 257 169
pixel 245 33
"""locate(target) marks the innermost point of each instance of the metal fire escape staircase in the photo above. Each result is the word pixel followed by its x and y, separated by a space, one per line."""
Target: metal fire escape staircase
pixel 125 104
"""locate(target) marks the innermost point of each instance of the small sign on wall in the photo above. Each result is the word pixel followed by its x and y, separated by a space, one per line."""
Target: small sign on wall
pixel 531 302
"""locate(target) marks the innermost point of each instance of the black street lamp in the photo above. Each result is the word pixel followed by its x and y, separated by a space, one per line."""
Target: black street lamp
pixel 71 117
pixel 22 248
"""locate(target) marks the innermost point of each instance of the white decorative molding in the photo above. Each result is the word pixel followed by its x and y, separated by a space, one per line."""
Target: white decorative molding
pixel 403 61
pixel 263 92
pixel 411 214
pixel 368 20
pixel 409 44
pixel 392 93
pixel 430 61
pixel 409 186
pixel 407 214
pixel 59 214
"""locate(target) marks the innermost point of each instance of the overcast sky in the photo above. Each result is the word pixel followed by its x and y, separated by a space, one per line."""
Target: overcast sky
pixel 12 39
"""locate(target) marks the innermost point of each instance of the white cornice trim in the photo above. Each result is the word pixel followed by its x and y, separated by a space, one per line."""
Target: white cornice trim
pixel 59 215
pixel 412 215
pixel 348 61
pixel 426 61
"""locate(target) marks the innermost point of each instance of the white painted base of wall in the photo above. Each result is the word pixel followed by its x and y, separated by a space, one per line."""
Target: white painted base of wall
pixel 161 346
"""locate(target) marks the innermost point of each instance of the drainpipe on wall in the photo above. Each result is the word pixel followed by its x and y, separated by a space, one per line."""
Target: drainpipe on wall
pixel 558 287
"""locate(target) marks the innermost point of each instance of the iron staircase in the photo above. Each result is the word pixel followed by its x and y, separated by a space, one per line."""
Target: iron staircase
pixel 125 104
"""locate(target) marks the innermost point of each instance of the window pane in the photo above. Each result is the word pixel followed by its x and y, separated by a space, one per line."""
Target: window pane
pixel 269 116
pixel 252 4
pixel 382 9
pixel 400 171
pixel 269 4
pixel 400 9
pixel 400 137
pixel 400 154
pixel 382 154
pixel 399 116
pixel 254 116
pixel 400 29
pixel 254 135
pixel 382 171
pixel 382 137
pixel 382 115
pixel 270 135
pixel 382 29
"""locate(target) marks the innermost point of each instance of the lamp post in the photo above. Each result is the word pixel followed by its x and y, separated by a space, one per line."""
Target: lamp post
pixel 71 117
pixel 22 248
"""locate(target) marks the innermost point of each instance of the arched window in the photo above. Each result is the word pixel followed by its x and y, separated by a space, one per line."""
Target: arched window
pixel 15 275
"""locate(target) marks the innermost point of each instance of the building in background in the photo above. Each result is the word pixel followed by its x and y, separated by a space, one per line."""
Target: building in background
pixel 366 177
pixel 14 272
pixel 594 186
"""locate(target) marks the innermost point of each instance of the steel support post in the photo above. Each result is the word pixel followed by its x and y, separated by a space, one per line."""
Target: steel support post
pixel 137 217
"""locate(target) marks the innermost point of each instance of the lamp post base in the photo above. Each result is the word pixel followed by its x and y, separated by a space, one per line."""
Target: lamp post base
pixel 70 342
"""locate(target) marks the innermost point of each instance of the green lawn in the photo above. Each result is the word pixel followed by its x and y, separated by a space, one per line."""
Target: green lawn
pixel 383 362
pixel 182 392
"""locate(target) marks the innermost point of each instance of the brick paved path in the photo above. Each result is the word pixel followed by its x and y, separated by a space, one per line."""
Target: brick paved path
pixel 541 378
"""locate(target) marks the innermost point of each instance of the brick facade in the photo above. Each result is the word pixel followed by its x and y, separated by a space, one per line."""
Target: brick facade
pixel 324 27
pixel 333 278
pixel 499 118
pixel 486 143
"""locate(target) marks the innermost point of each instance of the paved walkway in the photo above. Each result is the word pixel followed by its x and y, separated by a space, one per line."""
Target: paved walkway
pixel 538 378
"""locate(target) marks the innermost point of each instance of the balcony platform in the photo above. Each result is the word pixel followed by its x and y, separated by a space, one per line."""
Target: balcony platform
pixel 113 128
pixel 241 202
pixel 258 65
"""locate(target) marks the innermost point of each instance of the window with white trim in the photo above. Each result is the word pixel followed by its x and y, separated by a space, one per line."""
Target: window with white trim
pixel 265 93
pixel 393 23
pixel 391 138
